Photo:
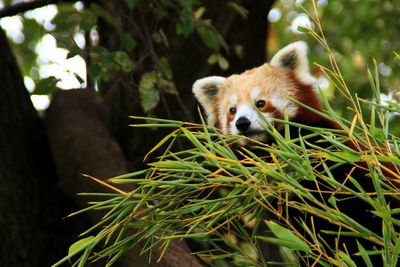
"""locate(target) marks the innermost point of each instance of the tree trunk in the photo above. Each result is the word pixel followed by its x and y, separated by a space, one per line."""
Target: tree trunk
pixel 31 206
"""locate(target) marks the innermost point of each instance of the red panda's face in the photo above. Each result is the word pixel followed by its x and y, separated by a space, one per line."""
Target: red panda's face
pixel 244 98
pixel 235 104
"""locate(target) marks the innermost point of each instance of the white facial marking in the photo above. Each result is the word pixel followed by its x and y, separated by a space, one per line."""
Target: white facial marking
pixel 255 92
pixel 281 104
pixel 233 100
pixel 256 129
pixel 249 112
pixel 245 111
pixel 207 100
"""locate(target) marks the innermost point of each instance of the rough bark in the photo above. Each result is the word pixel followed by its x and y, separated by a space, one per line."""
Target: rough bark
pixel 31 206
pixel 82 144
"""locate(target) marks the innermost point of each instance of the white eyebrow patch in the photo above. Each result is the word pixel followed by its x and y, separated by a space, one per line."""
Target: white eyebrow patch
pixel 234 99
pixel 255 92
pixel 282 103
pixel 279 102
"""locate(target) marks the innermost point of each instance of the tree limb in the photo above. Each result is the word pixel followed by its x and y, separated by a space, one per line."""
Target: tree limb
pixel 81 142
pixel 15 9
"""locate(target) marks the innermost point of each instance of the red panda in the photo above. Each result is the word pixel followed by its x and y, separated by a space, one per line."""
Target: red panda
pixel 230 103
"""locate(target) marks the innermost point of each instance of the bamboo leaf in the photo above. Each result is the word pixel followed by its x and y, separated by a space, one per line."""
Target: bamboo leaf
pixel 79 245
pixel 345 157
pixel 364 255
pixel 287 238
pixel 346 258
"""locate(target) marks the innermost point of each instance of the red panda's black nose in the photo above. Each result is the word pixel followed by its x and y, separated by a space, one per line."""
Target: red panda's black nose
pixel 242 124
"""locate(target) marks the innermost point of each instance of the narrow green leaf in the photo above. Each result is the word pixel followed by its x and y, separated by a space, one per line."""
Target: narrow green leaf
pixel 212 59
pixel 209 37
pixel 345 157
pixel 79 245
pixel 222 62
pixel 239 8
pixel 378 134
pixel 346 258
pixel 396 252
pixel 196 142
pixel 185 25
pixel 364 255
pixel 287 237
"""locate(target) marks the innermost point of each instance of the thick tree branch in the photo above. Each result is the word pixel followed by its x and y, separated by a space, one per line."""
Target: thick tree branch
pixel 15 9
pixel 81 143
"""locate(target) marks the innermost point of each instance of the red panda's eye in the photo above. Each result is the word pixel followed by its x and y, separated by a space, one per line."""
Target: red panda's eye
pixel 232 110
pixel 260 103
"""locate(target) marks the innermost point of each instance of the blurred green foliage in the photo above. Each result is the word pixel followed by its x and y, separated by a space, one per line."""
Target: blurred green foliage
pixel 138 54
pixel 357 32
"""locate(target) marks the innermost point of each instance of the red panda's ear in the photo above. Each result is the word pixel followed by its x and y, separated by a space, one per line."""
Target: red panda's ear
pixel 206 91
pixel 294 57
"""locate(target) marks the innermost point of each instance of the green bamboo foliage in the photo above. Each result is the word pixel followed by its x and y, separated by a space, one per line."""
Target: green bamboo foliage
pixel 218 197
